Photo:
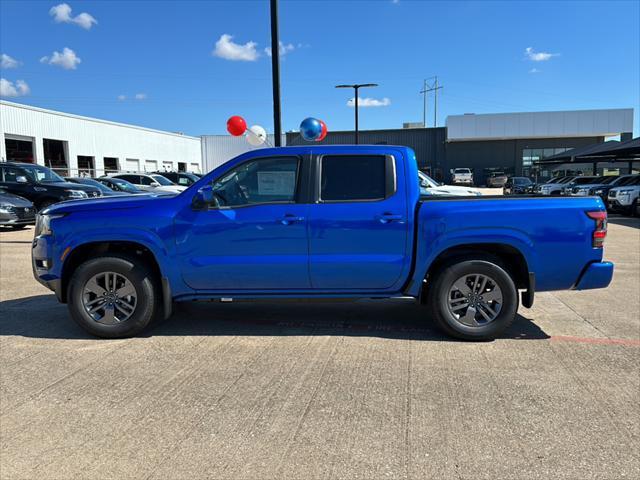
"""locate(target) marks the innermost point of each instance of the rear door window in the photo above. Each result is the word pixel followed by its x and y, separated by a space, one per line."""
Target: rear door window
pixel 356 177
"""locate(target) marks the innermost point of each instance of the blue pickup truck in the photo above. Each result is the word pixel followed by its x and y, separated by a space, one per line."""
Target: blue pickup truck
pixel 317 222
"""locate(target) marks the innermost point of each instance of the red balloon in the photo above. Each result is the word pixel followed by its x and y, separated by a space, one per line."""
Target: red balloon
pixel 236 126
pixel 324 131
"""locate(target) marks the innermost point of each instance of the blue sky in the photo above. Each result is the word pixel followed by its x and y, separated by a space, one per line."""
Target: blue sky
pixel 194 64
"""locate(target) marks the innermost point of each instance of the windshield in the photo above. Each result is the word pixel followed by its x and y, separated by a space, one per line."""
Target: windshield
pixel 125 186
pixel 162 180
pixel 566 180
pixel 620 182
pixel 608 180
pixel 426 181
pixel 585 180
pixel 40 174
pixel 521 181
pixel 462 170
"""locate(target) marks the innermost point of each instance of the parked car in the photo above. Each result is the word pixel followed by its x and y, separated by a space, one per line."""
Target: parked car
pixel 119 185
pixel 184 179
pixel 106 191
pixel 603 190
pixel 588 188
pixel 518 186
pixel 150 182
pixel 429 186
pixel 496 179
pixel 255 229
pixel 625 199
pixel 41 185
pixel 555 187
pixel 15 212
pixel 577 181
pixel 462 176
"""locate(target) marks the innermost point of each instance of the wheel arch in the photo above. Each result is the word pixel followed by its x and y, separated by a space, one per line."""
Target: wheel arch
pixel 88 250
pixel 510 258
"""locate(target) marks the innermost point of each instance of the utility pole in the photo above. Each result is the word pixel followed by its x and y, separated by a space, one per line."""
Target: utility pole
pixel 275 74
pixel 356 87
pixel 434 87
pixel 424 92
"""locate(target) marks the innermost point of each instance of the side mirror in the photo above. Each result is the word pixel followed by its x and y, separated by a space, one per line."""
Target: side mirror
pixel 204 197
pixel 155 184
pixel 21 179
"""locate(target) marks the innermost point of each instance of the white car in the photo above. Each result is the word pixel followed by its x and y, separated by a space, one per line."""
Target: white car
pixel 462 175
pixel 428 186
pixel 151 183
pixel 625 199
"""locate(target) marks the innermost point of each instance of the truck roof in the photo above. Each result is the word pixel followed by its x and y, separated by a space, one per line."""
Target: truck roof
pixel 343 149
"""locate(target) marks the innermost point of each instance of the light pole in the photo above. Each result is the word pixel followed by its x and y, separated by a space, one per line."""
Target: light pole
pixel 275 73
pixel 355 89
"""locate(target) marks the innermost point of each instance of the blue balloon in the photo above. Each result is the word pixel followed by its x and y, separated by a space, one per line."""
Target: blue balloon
pixel 310 129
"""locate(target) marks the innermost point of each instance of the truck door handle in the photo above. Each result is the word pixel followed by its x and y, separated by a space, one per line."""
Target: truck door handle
pixel 289 219
pixel 389 217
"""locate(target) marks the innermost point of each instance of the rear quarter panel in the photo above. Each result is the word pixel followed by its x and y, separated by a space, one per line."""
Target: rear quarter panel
pixel 553 234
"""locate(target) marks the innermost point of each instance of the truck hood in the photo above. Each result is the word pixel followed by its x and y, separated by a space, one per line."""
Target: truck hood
pixel 107 203
pixel 15 200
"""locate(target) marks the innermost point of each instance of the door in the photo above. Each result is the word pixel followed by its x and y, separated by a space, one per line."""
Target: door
pixel 151 165
pixel 132 165
pixel 256 238
pixel 358 229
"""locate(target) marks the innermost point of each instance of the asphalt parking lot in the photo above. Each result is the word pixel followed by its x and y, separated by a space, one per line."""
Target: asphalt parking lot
pixel 348 390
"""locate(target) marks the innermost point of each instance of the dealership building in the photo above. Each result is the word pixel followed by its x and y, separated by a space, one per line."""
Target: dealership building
pixel 73 145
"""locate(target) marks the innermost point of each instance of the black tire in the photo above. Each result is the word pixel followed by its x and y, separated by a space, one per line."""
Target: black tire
pixel 439 291
pixel 148 301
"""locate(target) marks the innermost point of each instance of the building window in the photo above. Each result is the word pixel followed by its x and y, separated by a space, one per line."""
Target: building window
pixel 19 150
pixel 55 156
pixel 110 165
pixel 85 165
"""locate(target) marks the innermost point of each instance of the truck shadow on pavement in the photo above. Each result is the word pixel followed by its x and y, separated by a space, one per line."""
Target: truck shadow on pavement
pixel 41 316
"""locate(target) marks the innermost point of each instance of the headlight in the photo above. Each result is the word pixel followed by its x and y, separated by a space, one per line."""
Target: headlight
pixel 5 207
pixel 623 192
pixel 596 191
pixel 77 194
pixel 43 224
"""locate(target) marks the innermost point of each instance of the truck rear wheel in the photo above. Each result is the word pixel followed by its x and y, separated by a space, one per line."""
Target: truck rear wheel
pixel 473 299
pixel 113 296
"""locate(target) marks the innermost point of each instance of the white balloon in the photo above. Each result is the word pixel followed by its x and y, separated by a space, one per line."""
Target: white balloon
pixel 256 135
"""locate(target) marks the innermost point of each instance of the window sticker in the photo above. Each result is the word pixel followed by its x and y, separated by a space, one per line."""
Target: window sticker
pixel 276 183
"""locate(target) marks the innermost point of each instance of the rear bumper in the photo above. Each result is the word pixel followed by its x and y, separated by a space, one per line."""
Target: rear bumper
pixel 596 275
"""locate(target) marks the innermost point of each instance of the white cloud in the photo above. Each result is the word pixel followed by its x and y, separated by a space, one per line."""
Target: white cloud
pixel 140 96
pixel 7 62
pixel 227 49
pixel 369 102
pixel 67 59
pixel 534 56
pixel 121 98
pixel 9 89
pixel 534 70
pixel 283 49
pixel 62 14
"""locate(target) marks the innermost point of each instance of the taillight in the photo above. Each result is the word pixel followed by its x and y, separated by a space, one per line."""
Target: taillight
pixel 600 233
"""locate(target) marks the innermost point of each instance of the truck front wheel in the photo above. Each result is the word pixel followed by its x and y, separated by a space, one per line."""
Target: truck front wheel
pixel 113 296
pixel 473 299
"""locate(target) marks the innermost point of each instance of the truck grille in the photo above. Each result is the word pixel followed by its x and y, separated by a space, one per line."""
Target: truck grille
pixel 22 213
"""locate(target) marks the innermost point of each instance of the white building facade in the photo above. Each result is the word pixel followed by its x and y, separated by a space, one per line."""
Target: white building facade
pixel 73 145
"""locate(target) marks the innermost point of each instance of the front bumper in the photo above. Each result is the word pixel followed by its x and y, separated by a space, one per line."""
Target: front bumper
pixel 596 275
pixel 45 266
pixel 18 216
